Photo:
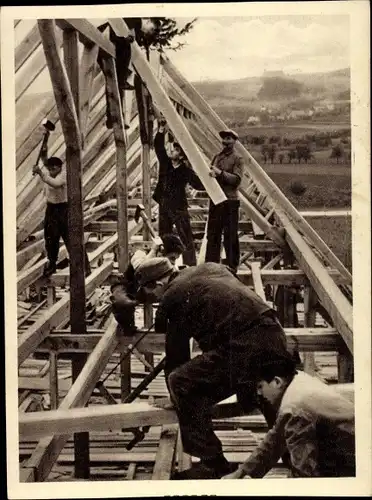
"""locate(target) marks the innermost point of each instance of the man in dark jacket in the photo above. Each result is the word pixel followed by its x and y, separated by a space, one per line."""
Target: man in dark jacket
pixel 231 325
pixel 170 193
pixel 227 169
pixel 137 29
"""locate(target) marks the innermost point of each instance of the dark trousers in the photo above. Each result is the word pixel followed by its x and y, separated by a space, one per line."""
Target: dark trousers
pixel 223 219
pixel 56 227
pixel 123 57
pixel 181 219
pixel 196 386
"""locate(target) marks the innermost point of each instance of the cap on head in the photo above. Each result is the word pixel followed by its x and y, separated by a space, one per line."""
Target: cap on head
pixel 53 161
pixel 172 243
pixel 229 133
pixel 153 269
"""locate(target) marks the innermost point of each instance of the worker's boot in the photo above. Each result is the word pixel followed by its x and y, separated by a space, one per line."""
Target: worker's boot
pixel 206 469
pixel 49 269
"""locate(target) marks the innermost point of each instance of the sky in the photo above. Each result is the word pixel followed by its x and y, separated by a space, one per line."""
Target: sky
pixel 230 48
pixel 239 47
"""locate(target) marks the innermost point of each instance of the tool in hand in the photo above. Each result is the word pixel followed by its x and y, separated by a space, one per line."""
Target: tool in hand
pixel 140 213
pixel 48 128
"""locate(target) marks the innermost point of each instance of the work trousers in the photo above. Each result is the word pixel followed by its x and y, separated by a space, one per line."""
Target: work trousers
pixel 196 386
pixel 123 57
pixel 223 219
pixel 56 227
pixel 180 219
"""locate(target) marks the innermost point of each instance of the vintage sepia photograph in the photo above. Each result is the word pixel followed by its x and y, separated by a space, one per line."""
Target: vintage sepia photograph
pixel 187 249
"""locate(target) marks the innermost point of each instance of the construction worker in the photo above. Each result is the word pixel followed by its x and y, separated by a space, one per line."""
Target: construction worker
pixel 124 288
pixel 227 169
pixel 314 422
pixel 231 324
pixel 138 28
pixel 54 178
pixel 170 192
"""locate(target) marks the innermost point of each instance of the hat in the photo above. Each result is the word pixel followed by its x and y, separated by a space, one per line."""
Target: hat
pixel 229 133
pixel 172 243
pixel 53 161
pixel 138 257
pixel 153 269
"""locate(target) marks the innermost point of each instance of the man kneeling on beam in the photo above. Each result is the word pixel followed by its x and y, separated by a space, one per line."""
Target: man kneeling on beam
pixel 314 422
pixel 231 324
pixel 124 287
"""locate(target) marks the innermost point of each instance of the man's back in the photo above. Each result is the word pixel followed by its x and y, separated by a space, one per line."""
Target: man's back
pixel 209 303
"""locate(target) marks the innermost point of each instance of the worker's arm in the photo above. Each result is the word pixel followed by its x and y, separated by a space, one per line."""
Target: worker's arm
pixel 193 179
pixel 233 178
pixel 159 145
pixel 266 454
pixel 302 443
pixel 58 181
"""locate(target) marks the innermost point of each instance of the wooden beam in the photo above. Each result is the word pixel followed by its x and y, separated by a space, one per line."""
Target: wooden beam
pixel 165 456
pixel 329 294
pixel 29 340
pixel 88 34
pixel 26 48
pixel 120 416
pixel 175 122
pixel 308 339
pixel 121 160
pixel 87 69
pixel 257 280
pixel 310 300
pixel 49 448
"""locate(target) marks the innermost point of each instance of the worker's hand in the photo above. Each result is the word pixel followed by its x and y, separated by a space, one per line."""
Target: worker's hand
pixel 163 403
pixel 36 169
pixel 237 474
pixel 156 244
pixel 214 172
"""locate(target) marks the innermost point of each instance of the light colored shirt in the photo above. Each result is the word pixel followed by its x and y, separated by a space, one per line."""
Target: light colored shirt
pixel 315 423
pixel 55 188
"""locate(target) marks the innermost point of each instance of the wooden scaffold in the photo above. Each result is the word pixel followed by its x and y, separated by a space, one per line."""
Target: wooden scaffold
pixel 108 174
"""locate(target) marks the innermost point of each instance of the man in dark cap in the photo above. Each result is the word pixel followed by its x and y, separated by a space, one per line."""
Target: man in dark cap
pixel 170 192
pixel 231 325
pixel 314 423
pixel 227 168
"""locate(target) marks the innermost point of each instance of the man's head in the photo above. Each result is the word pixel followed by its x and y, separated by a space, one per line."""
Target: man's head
pixel 274 374
pixel 152 276
pixel 172 247
pixel 177 153
pixel 54 166
pixel 229 138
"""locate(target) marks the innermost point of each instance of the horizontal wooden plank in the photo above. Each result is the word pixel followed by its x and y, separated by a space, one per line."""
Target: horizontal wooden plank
pixel 306 339
pixel 120 416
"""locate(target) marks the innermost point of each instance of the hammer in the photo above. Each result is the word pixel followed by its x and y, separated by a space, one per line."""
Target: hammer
pixel 140 212
pixel 48 128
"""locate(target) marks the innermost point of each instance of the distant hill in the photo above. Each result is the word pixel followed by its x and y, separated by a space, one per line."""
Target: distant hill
pixel 231 93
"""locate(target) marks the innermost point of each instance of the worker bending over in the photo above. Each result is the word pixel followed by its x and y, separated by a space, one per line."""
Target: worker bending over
pixel 231 325
pixel 170 192
pixel 227 169
pixel 314 422
pixel 124 288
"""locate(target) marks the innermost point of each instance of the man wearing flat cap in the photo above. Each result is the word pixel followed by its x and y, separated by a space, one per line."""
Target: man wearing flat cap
pixel 227 168
pixel 231 324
